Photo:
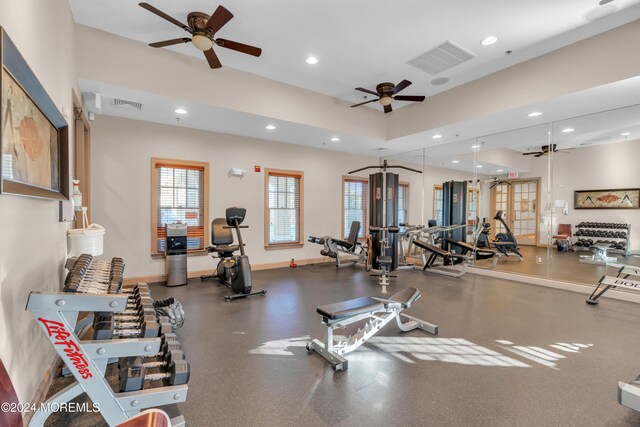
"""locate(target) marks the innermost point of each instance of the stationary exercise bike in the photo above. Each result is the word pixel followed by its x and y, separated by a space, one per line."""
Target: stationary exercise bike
pixel 232 270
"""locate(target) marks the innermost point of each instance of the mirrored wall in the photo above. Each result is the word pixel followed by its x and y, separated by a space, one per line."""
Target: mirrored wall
pixel 564 193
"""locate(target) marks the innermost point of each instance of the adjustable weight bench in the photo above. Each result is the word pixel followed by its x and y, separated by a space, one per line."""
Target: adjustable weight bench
pixel 377 311
pixel 448 258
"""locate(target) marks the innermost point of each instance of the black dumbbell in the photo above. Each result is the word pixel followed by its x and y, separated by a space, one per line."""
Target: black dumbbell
pixel 133 377
pixel 105 329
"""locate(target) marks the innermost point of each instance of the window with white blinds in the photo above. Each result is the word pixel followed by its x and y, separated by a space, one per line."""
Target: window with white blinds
pixel 403 203
pixel 355 202
pixel 284 214
pixel 437 204
pixel 179 195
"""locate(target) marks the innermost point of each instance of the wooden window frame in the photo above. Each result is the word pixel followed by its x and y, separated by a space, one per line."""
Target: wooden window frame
pixel 408 197
pixel 290 173
pixel 436 187
pixel 155 161
pixel 365 227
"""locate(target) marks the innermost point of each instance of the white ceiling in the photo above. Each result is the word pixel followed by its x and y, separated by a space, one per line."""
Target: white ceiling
pixel 362 44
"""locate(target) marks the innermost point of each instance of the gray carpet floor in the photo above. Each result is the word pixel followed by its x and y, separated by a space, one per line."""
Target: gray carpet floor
pixel 508 354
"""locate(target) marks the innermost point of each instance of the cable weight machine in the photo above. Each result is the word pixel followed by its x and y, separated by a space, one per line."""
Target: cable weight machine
pixel 383 219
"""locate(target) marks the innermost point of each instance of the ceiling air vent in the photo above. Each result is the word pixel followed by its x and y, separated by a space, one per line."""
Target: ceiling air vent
pixel 440 58
pixel 125 103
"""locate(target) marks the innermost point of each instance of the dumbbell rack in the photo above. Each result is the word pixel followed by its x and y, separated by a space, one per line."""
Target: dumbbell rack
pixel 57 315
pixel 627 240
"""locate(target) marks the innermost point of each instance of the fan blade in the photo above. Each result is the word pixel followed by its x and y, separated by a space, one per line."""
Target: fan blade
pixel 365 102
pixel 387 108
pixel 218 20
pixel 539 155
pixel 409 98
pixel 240 47
pixel 170 42
pixel 532 153
pixel 212 59
pixel 400 86
pixel 163 15
pixel 370 92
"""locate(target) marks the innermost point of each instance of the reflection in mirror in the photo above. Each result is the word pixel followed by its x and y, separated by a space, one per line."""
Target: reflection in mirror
pixel 594 172
pixel 534 194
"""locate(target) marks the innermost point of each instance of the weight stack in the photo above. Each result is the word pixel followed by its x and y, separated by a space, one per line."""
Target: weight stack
pixel 454 211
pixel 376 203
pixel 392 182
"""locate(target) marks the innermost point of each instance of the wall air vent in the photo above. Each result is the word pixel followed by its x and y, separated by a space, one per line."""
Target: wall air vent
pixel 441 58
pixel 125 103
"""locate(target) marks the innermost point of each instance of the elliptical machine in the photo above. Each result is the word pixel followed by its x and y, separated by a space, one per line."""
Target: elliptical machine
pixel 232 270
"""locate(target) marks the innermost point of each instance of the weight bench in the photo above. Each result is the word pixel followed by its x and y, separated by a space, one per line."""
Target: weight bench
pixel 377 311
pixel 599 256
pixel 448 258
pixel 629 394
pixel 621 280
pixel 478 253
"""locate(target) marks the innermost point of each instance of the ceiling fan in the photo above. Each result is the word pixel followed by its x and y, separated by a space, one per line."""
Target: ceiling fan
pixel 387 92
pixel 202 28
pixel 545 150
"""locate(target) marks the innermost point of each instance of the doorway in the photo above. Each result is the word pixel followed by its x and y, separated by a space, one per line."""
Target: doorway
pixel 518 200
pixel 81 169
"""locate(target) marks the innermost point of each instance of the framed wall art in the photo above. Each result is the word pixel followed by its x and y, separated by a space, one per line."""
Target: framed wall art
pixel 33 133
pixel 626 198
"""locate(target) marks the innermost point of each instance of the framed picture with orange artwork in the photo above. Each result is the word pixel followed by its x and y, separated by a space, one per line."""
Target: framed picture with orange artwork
pixel 626 198
pixel 33 132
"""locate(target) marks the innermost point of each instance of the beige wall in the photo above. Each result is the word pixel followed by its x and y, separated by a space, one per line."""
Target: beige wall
pixel 34 243
pixel 121 186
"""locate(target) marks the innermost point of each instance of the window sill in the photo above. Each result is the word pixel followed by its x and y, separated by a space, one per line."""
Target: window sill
pixel 283 246
pixel 197 252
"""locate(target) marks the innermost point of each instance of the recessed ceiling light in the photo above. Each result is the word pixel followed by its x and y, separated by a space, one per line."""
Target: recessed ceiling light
pixel 568 130
pixel 473 147
pixel 479 166
pixel 625 134
pixel 489 40
pixel 335 139
pixel 534 114
pixel 181 111
pixel 436 136
pixel 500 170
pixel 312 60
pixel 270 127
pixel 455 161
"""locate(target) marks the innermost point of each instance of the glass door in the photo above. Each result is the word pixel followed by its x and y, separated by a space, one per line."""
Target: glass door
pixel 518 200
pixel 524 211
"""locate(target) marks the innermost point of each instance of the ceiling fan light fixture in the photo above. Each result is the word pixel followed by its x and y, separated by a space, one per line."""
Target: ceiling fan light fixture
pixel 312 60
pixel 202 42
pixel 625 134
pixel 385 100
